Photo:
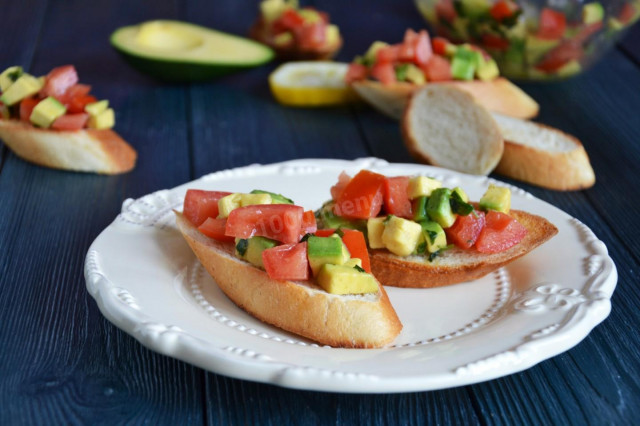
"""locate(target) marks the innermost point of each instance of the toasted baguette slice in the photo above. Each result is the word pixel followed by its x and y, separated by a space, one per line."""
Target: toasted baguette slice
pixel 498 95
pixel 456 265
pixel 543 156
pixel 99 151
pixel 444 126
pixel 349 321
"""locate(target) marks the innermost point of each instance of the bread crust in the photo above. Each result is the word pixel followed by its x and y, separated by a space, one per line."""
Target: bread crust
pixel 456 265
pixel 87 150
pixel 561 171
pixel 301 308
pixel 498 95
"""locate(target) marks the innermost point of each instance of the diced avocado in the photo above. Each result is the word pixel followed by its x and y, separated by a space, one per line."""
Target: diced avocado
pixel 251 249
pixel 434 236
pixel 97 108
pixel 570 68
pixel 370 56
pixel 419 208
pixel 592 13
pixel 537 47
pixel 474 8
pixel 615 24
pixel 341 279
pixel 330 220
pixel 254 199
pixel 46 112
pixel 401 236
pixel 283 39
pixel 9 76
pixel 24 87
pixel 353 262
pixel 421 186
pixel 275 198
pixel 461 193
pixel 463 64
pixel 496 198
pixel 375 228
pixel 415 74
pixel 439 207
pixel 310 15
pixel 322 250
pixel 458 204
pixel 105 120
pixel 332 35
pixel 487 70
pixel 228 203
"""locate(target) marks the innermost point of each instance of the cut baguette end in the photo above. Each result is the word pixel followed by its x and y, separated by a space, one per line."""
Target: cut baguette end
pixel 87 150
pixel 445 127
pixel 456 265
pixel 352 321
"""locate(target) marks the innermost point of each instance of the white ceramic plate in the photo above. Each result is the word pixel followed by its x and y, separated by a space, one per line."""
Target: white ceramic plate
pixel 147 281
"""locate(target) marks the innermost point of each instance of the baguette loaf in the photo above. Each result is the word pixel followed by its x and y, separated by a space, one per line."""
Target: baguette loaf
pixel 90 150
pixel 498 95
pixel 351 321
pixel 543 156
pixel 456 265
pixel 444 126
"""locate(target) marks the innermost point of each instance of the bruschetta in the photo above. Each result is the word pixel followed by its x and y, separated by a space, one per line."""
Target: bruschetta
pixel 296 33
pixel 421 234
pixel 55 122
pixel 386 75
pixel 264 254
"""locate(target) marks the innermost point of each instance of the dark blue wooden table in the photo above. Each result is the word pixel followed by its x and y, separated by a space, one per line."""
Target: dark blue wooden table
pixel 62 362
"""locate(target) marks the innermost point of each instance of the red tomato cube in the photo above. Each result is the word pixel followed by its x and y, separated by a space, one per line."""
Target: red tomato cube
pixel 287 262
pixel 356 72
pixel 438 68
pixel 281 222
pixel 337 189
pixel 215 228
pixel 309 224
pixel 396 197
pixel 200 205
pixel 59 80
pixel 362 197
pixel 357 246
pixel 501 232
pixel 552 24
pixel 384 72
pixel 26 108
pixel 70 122
pixel 466 229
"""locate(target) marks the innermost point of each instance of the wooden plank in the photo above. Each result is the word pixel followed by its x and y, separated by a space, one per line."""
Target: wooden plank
pixel 64 362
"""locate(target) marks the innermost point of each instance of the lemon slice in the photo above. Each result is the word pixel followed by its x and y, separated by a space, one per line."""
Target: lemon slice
pixel 311 84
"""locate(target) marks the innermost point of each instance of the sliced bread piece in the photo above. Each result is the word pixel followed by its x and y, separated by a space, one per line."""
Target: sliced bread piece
pixel 444 126
pixel 456 265
pixel 498 95
pixel 301 307
pixel 99 151
pixel 544 156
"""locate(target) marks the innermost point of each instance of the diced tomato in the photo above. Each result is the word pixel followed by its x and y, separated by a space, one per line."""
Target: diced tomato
pixel 287 262
pixel 75 91
pixel 309 225
pixel 627 13
pixel 337 189
pixel 77 104
pixel 422 47
pixel 439 45
pixel 77 97
pixel 445 10
pixel 438 68
pixel 355 242
pixel 465 230
pixel 26 108
pixel 388 54
pixel 59 80
pixel 559 56
pixel 586 32
pixel 501 232
pixel 324 232
pixel 495 42
pixel 356 72
pixel 396 198
pixel 200 205
pixel 289 20
pixel 311 36
pixel 384 72
pixel 503 9
pixel 362 197
pixel 280 222
pixel 552 24
pixel 70 122
pixel 215 228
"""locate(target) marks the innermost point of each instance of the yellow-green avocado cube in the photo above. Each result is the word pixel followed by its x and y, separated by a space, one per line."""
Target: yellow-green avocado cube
pixel 8 76
pixel 232 201
pixel 251 249
pixel 401 236
pixel 422 186
pixel 46 112
pixel 326 250
pixel 24 87
pixel 375 228
pixel 496 198
pixel 342 279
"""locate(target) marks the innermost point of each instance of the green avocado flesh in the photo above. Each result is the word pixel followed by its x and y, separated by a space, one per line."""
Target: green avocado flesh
pixel 178 51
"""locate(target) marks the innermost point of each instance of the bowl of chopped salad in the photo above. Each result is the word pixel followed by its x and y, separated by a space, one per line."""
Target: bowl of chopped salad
pixel 534 39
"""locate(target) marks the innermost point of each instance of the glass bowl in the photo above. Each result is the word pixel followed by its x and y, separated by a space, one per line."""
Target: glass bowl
pixel 534 39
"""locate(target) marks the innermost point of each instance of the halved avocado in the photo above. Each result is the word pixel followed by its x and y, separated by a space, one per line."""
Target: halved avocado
pixel 179 51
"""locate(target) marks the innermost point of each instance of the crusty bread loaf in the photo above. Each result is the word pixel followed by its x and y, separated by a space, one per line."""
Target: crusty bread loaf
pixel 456 265
pixel 543 156
pixel 351 321
pixel 498 95
pixel 444 126
pixel 99 151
